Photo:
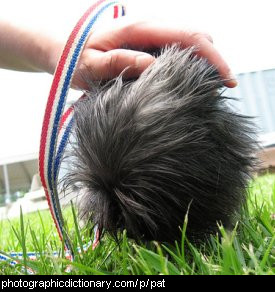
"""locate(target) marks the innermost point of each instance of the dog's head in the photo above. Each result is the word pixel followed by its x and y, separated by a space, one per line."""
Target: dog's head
pixel 148 150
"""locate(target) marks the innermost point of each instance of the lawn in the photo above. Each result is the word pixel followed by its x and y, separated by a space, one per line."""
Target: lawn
pixel 248 249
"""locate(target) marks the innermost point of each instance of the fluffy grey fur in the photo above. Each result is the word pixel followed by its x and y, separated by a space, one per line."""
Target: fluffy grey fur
pixel 146 150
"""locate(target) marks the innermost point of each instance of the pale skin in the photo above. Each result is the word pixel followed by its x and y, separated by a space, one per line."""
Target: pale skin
pixel 25 50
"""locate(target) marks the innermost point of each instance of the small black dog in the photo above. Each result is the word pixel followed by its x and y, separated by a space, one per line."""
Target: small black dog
pixel 148 150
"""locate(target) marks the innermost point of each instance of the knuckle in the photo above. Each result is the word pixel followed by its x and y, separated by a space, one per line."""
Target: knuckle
pixel 209 37
pixel 133 26
pixel 199 36
pixel 110 63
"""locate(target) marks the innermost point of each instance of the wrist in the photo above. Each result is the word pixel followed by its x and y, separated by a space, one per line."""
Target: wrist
pixel 51 50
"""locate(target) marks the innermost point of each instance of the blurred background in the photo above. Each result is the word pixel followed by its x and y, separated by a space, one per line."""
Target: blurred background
pixel 243 32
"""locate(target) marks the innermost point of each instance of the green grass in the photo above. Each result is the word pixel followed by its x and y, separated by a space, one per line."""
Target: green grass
pixel 248 249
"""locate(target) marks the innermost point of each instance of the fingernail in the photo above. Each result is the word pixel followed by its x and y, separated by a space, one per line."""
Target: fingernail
pixel 144 60
pixel 232 80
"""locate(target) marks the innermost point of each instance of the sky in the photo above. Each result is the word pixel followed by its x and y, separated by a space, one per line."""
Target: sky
pixel 243 32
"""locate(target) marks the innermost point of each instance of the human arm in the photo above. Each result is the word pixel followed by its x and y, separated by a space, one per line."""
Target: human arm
pixel 27 50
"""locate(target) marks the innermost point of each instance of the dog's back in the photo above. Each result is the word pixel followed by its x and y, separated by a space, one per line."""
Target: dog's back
pixel 147 150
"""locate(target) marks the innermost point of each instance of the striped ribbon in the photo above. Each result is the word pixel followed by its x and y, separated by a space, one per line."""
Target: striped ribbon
pixel 57 126
pixel 14 258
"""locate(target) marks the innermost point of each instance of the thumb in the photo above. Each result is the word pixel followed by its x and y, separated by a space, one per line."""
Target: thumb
pixel 107 65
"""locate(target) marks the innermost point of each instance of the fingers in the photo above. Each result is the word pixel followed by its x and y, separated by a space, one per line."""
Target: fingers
pixel 107 65
pixel 207 50
pixel 149 35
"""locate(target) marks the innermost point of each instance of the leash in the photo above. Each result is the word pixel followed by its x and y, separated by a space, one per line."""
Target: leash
pixel 50 152
pixel 14 258
pixel 57 126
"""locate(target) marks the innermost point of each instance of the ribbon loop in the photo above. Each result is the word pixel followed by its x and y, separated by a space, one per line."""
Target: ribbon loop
pixel 56 127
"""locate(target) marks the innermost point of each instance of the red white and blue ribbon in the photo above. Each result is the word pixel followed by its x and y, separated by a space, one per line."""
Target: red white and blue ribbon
pixel 15 258
pixel 50 151
pixel 57 126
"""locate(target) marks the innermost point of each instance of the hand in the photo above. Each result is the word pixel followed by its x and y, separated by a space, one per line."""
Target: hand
pixel 103 58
